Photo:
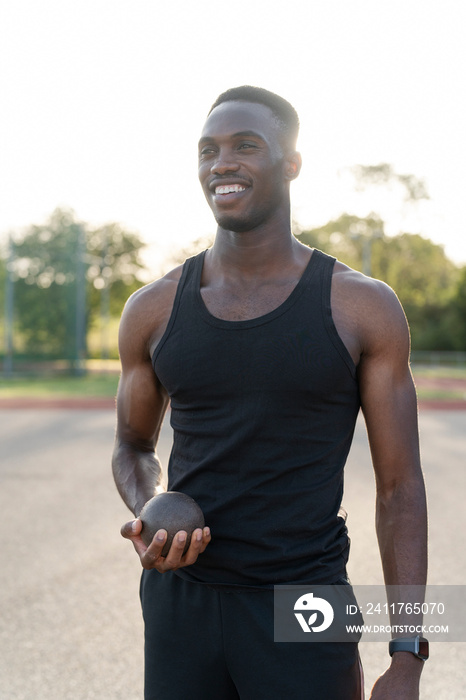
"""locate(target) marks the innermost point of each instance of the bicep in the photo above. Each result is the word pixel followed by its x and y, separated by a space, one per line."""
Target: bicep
pixel 141 406
pixel 388 397
pixel 141 399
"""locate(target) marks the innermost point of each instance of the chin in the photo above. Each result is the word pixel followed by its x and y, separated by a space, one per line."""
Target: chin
pixel 236 224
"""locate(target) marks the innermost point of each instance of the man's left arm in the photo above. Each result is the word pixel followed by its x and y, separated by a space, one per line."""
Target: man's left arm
pixel 389 404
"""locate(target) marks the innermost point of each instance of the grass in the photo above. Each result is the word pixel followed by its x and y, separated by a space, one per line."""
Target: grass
pixel 440 383
pixel 104 384
pixel 440 395
pixel 439 372
pixel 91 385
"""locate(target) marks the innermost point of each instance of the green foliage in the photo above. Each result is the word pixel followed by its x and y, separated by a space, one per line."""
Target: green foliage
pixel 416 268
pixel 60 262
pixel 45 284
pixel 113 265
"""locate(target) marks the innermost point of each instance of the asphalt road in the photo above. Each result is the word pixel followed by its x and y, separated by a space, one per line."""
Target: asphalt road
pixel 71 626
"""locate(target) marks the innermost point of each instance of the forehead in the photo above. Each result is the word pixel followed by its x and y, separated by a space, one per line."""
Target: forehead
pixel 237 116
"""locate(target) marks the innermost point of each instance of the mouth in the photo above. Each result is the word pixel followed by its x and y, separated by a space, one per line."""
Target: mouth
pixel 227 194
pixel 229 189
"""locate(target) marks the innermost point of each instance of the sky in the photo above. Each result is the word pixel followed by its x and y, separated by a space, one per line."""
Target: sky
pixel 103 102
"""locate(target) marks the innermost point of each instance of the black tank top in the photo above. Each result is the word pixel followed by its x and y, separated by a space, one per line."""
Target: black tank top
pixel 263 413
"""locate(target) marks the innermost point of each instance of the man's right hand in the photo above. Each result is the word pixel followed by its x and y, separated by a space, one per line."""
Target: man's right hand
pixel 151 556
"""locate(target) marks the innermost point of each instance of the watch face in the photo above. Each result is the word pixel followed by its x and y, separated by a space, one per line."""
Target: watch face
pixel 423 648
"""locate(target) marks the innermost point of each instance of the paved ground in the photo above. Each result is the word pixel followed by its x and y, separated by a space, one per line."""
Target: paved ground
pixel 70 621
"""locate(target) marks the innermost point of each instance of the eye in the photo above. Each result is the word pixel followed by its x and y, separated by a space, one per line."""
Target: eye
pixel 206 151
pixel 246 145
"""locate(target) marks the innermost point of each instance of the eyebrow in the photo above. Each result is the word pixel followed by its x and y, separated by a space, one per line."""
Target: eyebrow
pixel 237 135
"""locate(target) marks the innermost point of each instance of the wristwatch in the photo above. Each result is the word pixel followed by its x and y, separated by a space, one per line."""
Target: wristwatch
pixel 419 646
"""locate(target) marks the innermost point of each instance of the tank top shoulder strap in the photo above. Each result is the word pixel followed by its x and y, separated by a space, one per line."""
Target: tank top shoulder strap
pixel 194 267
pixel 188 276
pixel 325 263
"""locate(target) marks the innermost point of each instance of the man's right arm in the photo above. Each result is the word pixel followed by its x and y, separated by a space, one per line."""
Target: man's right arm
pixel 141 406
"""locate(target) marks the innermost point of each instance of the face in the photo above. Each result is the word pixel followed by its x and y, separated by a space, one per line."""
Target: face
pixel 243 167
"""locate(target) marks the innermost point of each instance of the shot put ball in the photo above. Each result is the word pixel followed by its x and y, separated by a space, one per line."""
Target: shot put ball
pixel 172 511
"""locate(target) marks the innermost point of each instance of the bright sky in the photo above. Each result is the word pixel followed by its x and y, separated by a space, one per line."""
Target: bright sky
pixel 102 102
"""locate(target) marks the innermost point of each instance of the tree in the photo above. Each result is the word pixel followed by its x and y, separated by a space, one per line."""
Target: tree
pixel 62 270
pixel 114 265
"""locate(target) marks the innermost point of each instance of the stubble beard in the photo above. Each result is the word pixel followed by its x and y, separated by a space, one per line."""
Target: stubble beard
pixel 247 222
pixel 238 225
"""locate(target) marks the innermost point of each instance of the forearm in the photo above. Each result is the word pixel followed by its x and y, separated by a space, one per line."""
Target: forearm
pixel 401 522
pixel 402 534
pixel 137 474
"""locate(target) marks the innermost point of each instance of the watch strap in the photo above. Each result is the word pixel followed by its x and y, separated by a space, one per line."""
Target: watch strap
pixel 419 646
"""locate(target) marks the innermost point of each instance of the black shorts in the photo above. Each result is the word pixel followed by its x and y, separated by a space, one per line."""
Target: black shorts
pixel 216 643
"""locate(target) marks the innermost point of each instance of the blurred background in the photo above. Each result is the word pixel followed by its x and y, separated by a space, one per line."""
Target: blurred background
pixel 102 105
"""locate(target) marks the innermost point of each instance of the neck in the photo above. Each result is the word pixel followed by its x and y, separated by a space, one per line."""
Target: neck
pixel 263 248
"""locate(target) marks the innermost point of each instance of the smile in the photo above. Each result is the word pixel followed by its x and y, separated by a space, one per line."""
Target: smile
pixel 229 189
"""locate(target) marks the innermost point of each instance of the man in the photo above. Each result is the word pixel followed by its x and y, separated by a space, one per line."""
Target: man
pixel 266 350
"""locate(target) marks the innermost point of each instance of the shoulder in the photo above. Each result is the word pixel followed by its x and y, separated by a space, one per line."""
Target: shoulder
pixel 371 308
pixel 370 292
pixel 147 311
pixel 154 296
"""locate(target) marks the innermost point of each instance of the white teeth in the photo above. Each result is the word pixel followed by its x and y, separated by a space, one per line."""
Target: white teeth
pixel 227 189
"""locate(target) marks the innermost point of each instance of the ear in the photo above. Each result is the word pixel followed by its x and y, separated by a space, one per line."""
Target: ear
pixel 293 164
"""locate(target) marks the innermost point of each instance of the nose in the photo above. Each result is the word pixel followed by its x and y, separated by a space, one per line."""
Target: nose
pixel 224 163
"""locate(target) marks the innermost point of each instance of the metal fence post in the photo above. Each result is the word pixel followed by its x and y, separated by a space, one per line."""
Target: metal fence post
pixel 80 330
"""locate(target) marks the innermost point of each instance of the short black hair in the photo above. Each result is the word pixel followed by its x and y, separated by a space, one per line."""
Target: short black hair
pixel 285 113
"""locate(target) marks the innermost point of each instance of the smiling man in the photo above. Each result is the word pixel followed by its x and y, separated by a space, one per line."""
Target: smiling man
pixel 266 351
